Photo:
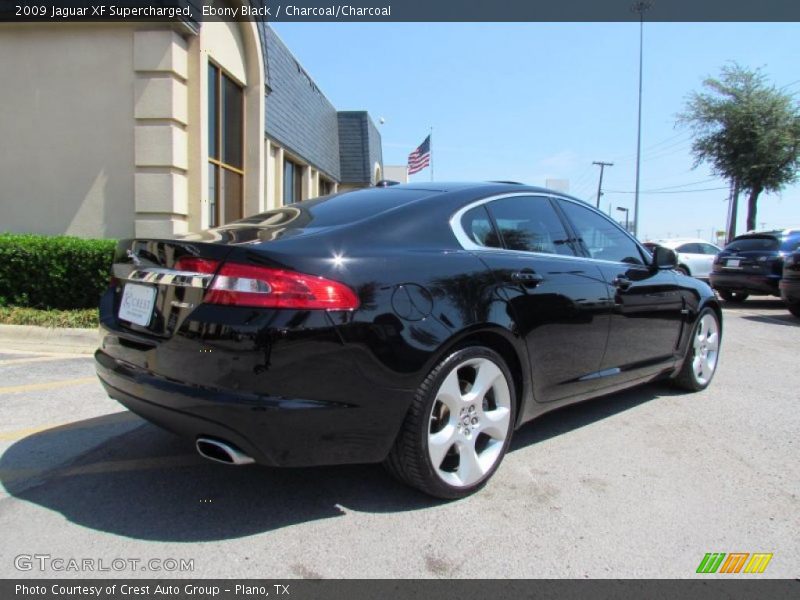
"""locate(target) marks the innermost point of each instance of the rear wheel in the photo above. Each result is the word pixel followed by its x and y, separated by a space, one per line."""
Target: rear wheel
pixel 702 356
pixel 794 309
pixel 458 427
pixel 735 297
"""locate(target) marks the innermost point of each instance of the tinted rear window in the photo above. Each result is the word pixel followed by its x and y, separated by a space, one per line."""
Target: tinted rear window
pixel 330 211
pixel 754 243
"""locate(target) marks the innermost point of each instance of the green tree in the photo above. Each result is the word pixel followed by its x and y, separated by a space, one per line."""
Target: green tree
pixel 747 130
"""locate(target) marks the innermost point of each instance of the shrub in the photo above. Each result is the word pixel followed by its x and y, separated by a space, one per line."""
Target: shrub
pixel 60 272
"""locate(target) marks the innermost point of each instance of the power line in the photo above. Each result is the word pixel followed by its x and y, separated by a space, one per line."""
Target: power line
pixel 666 192
pixel 683 185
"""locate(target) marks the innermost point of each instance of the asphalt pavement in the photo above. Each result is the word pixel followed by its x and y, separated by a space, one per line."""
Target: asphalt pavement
pixel 638 484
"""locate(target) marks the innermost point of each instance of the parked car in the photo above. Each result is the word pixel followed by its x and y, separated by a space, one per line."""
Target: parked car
pixel 415 325
pixel 790 283
pixel 695 256
pixel 753 264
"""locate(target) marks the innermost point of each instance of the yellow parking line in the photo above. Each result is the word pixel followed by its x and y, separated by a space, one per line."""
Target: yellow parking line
pixel 40 352
pixel 121 417
pixel 10 436
pixel 9 476
pixel 22 361
pixel 33 387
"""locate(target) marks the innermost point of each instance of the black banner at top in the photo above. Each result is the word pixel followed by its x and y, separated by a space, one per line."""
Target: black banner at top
pixel 196 11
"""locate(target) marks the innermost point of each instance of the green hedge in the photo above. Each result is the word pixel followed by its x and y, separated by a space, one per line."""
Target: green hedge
pixel 60 272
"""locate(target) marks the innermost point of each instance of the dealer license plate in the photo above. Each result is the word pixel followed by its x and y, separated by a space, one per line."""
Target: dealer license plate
pixel 137 304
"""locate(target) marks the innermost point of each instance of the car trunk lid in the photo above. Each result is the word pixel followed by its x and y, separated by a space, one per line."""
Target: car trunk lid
pixel 157 283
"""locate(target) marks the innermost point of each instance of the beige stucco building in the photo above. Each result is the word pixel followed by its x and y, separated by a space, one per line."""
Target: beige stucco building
pixel 155 129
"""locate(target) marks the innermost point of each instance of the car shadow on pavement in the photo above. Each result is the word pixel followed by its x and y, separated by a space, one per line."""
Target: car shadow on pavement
pixel 575 416
pixel 787 319
pixel 121 475
pixel 763 303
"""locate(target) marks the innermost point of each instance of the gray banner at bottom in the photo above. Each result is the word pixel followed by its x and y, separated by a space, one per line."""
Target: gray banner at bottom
pixel 384 589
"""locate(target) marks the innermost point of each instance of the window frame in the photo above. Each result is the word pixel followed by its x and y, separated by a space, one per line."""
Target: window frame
pixel 298 171
pixel 217 163
pixel 576 251
pixel 581 252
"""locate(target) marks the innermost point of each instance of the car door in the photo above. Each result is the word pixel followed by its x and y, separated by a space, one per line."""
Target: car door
pixel 693 256
pixel 558 299
pixel 647 315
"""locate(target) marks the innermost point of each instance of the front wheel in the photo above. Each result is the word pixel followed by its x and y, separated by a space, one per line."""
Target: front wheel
pixel 458 427
pixel 702 356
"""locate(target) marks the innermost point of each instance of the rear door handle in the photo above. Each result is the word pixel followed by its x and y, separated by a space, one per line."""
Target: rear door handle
pixel 527 278
pixel 622 282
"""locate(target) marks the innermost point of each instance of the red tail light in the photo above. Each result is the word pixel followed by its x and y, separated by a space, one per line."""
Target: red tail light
pixel 193 264
pixel 249 285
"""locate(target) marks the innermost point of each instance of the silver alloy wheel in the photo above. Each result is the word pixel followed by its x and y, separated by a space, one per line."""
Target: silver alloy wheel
pixel 706 349
pixel 469 422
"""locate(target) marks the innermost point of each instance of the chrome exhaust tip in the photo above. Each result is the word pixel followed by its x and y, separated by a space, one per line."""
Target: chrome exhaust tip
pixel 221 452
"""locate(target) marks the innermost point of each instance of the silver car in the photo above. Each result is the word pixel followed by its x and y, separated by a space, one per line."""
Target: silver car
pixel 695 256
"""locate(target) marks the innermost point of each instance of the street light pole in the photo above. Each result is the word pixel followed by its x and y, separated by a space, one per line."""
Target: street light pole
pixel 640 7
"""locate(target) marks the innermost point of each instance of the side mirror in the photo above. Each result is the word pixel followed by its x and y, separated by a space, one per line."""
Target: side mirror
pixel 664 258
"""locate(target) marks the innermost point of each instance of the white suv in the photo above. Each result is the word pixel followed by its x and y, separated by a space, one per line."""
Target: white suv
pixel 695 256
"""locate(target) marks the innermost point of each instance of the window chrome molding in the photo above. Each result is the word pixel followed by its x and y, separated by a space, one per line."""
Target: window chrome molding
pixel 467 244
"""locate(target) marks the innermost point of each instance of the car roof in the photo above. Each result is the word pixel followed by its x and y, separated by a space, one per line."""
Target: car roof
pixel 486 188
pixel 771 232
pixel 679 241
pixel 453 186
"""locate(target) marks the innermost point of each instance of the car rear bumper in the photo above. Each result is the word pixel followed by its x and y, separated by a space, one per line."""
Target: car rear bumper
pixel 273 430
pixel 752 283
pixel 790 290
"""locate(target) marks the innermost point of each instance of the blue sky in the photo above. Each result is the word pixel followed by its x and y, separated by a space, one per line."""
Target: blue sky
pixel 531 101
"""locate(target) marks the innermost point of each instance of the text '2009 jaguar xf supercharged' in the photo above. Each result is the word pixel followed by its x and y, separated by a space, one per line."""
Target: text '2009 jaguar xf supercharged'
pixel 414 325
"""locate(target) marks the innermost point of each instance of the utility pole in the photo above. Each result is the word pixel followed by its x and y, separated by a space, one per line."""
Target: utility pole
pixel 602 166
pixel 639 7
pixel 732 212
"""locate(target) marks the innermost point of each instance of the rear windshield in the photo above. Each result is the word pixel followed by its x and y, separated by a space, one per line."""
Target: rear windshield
pixel 754 243
pixel 330 211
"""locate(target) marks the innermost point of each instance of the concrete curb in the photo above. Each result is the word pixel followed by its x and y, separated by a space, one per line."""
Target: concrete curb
pixel 48 339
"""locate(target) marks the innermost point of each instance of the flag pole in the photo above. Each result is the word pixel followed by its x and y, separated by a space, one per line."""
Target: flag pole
pixel 430 148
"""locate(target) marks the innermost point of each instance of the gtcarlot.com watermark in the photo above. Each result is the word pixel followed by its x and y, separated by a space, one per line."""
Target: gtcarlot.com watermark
pixel 48 562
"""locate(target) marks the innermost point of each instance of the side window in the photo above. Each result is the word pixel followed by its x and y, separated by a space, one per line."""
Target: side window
pixel 709 249
pixel 602 239
pixel 690 249
pixel 479 227
pixel 791 244
pixel 530 223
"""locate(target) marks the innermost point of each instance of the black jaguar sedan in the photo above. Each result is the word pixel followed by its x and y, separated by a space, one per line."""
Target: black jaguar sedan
pixel 414 325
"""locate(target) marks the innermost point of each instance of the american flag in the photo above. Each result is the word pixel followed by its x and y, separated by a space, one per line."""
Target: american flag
pixel 420 158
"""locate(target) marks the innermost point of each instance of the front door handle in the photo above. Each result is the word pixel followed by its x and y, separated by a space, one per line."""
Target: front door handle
pixel 527 278
pixel 622 282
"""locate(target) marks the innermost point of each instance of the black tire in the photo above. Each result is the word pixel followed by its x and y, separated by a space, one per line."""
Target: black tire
pixel 794 309
pixel 733 297
pixel 687 378
pixel 683 270
pixel 409 459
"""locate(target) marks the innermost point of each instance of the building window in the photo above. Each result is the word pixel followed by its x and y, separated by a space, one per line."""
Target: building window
pixel 225 148
pixel 292 182
pixel 325 186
